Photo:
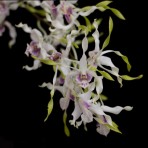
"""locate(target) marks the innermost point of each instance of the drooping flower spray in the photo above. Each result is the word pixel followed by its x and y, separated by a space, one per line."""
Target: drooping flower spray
pixel 78 77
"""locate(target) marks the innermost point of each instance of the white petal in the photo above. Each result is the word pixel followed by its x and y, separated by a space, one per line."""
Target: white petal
pixel 25 27
pixel 106 61
pixel 64 102
pixel 48 18
pixel 48 47
pixel 83 64
pixel 57 24
pixel 99 84
pixel 34 3
pixel 115 110
pixel 103 130
pixel 36 35
pixel 77 111
pixel 35 66
pixel 97 41
pixel 12 33
pixel 85 44
pixel 87 116
pixel 85 96
pixel 48 85
pixel 14 6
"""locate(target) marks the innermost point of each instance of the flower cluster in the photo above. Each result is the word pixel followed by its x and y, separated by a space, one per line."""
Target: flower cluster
pixel 78 77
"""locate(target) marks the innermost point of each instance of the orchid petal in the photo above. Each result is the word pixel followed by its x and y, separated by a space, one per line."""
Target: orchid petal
pixel 12 33
pixel 116 110
pixel 85 96
pixel 64 103
pixel 87 116
pixel 77 111
pixel 36 35
pixel 85 44
pixel 36 65
pixel 83 64
pixel 103 129
pixel 25 27
pixel 99 84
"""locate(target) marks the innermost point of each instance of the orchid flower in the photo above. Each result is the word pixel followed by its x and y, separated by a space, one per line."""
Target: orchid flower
pixel 76 76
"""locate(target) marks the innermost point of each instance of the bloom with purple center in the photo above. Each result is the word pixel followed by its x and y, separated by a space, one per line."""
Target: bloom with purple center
pixel 55 56
pixel 33 49
pixel 83 79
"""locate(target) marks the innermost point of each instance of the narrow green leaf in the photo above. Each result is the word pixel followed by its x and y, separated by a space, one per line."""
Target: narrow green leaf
pixel 98 21
pixel 126 77
pixel 66 130
pixel 82 27
pixel 103 4
pixel 50 105
pixel 110 25
pixel 107 40
pixel 103 97
pixel 103 73
pixel 63 40
pixel 117 13
pixel 125 59
pixel 106 75
pixel 47 62
pixel 114 127
pixel 75 45
pixel 88 24
pixel 86 8
pixel 102 9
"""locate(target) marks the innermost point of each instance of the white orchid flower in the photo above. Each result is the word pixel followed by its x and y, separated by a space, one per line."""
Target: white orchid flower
pixel 82 103
pixel 98 58
pixel 39 47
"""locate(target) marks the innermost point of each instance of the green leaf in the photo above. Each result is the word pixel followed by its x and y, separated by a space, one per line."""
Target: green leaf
pixel 114 127
pixel 102 9
pixel 107 40
pixel 126 77
pixel 63 40
pixel 103 97
pixel 117 13
pixel 103 4
pixel 88 24
pixel 75 45
pixel 98 21
pixel 105 75
pixel 47 62
pixel 83 28
pixel 110 25
pixel 50 105
pixel 125 59
pixel 86 8
pixel 66 130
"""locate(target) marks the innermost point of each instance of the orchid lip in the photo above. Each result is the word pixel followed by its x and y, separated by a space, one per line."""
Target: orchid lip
pixel 34 49
pixel 83 79
pixel 55 56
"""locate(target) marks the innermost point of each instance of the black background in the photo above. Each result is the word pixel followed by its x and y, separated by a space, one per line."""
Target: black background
pixel 23 103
